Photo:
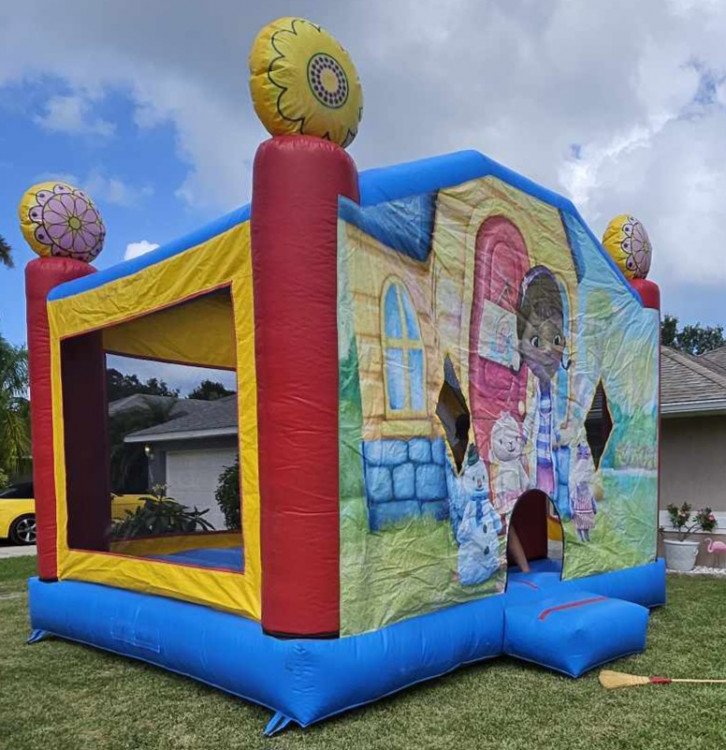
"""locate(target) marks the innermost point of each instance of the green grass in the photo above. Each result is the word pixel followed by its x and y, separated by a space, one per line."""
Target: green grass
pixel 61 696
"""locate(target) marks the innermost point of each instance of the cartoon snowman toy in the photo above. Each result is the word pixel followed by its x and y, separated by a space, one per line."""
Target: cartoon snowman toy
pixel 480 525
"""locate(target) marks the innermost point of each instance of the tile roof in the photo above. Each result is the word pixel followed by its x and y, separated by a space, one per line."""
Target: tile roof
pixel 140 401
pixel 690 383
pixel 220 414
pixel 715 359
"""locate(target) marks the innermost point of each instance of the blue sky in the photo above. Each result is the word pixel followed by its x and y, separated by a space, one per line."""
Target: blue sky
pixel 131 172
pixel 621 106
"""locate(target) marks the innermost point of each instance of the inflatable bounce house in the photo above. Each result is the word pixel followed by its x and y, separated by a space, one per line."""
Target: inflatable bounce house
pixel 430 358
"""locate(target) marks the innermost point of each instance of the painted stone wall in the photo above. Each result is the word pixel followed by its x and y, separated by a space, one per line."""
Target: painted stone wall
pixel 404 479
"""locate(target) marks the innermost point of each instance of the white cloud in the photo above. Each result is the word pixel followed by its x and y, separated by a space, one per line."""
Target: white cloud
pixel 71 114
pixel 638 87
pixel 102 188
pixel 134 249
pixel 114 190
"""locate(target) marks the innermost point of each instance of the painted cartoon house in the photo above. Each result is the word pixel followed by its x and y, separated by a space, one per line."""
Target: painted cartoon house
pixel 443 288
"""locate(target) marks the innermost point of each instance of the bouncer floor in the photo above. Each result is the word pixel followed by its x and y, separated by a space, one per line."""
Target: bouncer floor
pixel 568 626
pixel 219 558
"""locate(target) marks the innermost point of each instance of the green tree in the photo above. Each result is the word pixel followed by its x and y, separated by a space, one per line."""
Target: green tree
pixel 668 331
pixel 209 390
pixel 6 254
pixel 14 407
pixel 227 496
pixel 129 465
pixel 692 338
pixel 119 386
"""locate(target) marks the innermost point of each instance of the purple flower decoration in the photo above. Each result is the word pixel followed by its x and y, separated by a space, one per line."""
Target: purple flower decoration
pixel 67 223
pixel 636 247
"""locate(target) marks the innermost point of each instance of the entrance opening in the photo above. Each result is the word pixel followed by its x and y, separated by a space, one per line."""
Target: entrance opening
pixel 532 518
pixel 453 411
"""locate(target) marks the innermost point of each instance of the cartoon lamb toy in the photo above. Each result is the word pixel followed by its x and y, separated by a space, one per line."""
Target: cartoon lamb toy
pixel 509 477
pixel 480 525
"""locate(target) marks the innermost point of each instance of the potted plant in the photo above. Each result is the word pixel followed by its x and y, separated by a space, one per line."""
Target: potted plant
pixel 680 553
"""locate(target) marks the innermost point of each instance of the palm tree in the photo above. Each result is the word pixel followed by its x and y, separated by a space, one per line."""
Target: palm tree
pixel 129 472
pixel 6 257
pixel 14 406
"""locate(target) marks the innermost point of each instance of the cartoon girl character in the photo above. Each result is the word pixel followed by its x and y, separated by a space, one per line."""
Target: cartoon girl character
pixel 582 497
pixel 477 534
pixel 540 329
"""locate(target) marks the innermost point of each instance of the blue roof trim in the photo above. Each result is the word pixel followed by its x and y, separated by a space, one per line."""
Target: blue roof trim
pixel 440 172
pixel 128 267
pixel 406 224
pixel 573 217
pixel 411 180
pixel 578 257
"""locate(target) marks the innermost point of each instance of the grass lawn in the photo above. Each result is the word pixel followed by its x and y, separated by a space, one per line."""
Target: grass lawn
pixel 61 696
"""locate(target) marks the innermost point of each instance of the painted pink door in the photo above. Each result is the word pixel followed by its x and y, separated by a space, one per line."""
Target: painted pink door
pixel 500 264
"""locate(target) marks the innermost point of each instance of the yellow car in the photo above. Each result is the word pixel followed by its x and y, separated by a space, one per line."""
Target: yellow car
pixel 17 511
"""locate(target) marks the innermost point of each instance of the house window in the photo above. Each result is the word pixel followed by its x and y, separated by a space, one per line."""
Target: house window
pixel 405 365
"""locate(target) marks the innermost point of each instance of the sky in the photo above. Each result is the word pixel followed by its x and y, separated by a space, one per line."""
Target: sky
pixel 619 105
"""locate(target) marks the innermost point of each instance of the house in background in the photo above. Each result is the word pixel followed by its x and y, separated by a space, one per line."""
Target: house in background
pixel 189 451
pixel 693 435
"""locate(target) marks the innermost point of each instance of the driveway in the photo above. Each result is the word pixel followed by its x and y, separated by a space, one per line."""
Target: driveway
pixel 11 550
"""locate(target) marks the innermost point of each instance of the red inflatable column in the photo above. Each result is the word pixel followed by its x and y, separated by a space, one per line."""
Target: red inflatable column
pixel 648 291
pixel 41 275
pixel 296 185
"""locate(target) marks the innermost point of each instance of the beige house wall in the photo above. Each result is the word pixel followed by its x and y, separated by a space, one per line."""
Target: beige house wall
pixel 693 462
pixel 693 469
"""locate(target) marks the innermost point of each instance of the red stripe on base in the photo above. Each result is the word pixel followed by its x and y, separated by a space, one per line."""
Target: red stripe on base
pixel 545 613
pixel 296 184
pixel 42 275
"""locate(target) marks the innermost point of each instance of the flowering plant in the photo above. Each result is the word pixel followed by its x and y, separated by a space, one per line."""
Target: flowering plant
pixel 686 522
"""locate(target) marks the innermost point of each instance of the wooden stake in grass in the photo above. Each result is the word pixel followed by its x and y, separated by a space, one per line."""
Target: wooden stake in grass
pixel 611 680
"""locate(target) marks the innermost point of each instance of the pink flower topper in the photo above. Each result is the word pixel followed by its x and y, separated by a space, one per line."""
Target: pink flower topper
pixel 68 223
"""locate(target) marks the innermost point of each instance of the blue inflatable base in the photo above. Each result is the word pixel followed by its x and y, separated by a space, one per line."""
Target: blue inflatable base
pixel 562 625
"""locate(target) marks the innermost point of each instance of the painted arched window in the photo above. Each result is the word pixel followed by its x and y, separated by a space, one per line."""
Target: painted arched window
pixel 404 362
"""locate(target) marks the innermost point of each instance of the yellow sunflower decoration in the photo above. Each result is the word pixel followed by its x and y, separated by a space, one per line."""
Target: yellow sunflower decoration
pixel 628 245
pixel 303 81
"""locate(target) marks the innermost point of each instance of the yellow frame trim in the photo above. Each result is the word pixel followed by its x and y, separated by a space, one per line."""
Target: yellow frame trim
pixel 220 261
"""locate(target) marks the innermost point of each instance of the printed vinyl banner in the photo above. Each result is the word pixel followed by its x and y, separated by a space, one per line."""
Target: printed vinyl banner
pixel 488 346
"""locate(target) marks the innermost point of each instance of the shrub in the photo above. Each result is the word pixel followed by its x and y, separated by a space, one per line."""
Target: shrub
pixel 228 497
pixel 160 515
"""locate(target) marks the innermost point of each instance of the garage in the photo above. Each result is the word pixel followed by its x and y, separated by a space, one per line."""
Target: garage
pixel 192 477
